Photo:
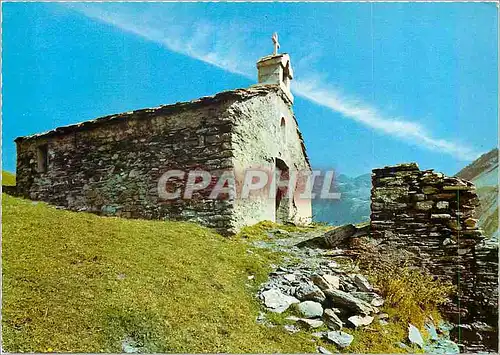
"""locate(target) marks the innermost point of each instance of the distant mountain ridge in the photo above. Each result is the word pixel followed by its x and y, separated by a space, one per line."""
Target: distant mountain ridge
pixel 483 172
pixel 485 164
pixel 354 203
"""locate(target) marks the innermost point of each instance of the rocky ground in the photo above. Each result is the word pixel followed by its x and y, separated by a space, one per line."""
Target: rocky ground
pixel 328 294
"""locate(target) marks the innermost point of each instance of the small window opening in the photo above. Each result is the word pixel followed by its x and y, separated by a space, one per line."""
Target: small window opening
pixel 283 129
pixel 43 158
pixel 286 74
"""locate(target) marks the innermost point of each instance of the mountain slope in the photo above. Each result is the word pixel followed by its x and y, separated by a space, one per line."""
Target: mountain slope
pixel 8 179
pixel 483 172
pixel 354 203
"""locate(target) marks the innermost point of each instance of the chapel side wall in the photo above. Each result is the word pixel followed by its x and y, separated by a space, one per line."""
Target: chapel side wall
pixel 113 168
pixel 257 141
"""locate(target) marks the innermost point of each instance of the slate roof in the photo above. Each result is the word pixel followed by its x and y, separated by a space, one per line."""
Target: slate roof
pixel 237 94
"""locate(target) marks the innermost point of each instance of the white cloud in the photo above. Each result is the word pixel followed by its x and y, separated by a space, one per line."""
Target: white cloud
pixel 224 47
pixel 369 116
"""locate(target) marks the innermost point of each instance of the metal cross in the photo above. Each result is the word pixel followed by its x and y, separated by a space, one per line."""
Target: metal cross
pixel 276 43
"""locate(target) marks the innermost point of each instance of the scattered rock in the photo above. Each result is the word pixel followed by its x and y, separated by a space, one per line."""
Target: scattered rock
pixel 276 301
pixel 290 277
pixel 331 319
pixel 323 350
pixel 278 231
pixel 339 236
pixel 424 205
pixel 340 338
pixel 442 205
pixel 483 327
pixel 383 322
pixel 470 222
pixel 371 297
pixel 347 300
pixel 402 345
pixel 358 321
pixel 442 346
pixel 414 336
pixel 332 280
pixel 431 329
pixel 261 318
pixel 291 328
pixel 429 190
pixel 362 283
pixel 130 346
pixel 333 265
pixel 447 241
pixel 310 309
pixel 319 334
pixel 327 281
pixel 310 323
pixel 440 216
pixel 383 316
pixel 309 292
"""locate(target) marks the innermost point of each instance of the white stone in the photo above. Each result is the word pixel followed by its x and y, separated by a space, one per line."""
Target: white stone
pixel 358 321
pixel 340 338
pixel 332 280
pixel 311 323
pixel 277 301
pixel 414 336
pixel 291 328
pixel 442 204
pixel 323 350
pixel 311 309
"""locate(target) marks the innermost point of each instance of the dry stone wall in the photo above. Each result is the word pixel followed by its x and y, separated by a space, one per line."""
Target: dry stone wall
pixel 430 215
pixel 113 168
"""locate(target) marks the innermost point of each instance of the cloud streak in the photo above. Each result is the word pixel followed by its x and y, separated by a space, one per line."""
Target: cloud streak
pixel 224 47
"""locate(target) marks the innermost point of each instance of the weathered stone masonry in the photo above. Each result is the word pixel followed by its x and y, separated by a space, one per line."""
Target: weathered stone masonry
pixel 431 216
pixel 112 165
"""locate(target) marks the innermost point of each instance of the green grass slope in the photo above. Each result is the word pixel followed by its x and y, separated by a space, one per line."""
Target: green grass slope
pixel 8 179
pixel 76 282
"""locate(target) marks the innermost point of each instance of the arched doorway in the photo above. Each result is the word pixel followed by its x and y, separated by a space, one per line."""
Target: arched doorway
pixel 282 202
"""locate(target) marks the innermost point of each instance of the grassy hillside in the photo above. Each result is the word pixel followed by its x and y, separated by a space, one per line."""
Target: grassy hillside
pixel 82 283
pixel 8 179
pixel 77 282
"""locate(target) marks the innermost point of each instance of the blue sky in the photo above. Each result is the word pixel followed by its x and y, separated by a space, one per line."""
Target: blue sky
pixel 375 83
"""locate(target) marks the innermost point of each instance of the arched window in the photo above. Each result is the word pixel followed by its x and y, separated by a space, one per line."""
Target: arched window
pixel 283 129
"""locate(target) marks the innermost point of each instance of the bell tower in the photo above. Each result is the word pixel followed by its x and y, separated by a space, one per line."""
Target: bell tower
pixel 276 69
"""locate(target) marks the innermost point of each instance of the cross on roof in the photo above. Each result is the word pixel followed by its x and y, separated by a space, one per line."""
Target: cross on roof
pixel 276 43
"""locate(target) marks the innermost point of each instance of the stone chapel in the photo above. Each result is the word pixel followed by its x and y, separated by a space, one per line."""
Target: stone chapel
pixel 113 165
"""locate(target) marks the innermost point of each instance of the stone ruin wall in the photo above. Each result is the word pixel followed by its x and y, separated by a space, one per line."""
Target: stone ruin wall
pixel 430 216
